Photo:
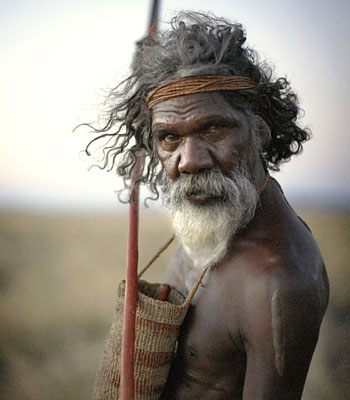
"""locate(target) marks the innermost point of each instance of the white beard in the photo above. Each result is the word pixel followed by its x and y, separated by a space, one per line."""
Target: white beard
pixel 205 230
pixel 204 233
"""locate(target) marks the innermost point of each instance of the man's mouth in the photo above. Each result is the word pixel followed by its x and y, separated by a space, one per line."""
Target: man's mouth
pixel 202 198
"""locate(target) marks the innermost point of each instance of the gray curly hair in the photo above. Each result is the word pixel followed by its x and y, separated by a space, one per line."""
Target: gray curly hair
pixel 196 44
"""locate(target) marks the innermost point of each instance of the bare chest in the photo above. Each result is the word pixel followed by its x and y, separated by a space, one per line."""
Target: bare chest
pixel 210 360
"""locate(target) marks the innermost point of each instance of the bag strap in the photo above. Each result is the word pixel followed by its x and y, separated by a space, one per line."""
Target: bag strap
pixel 153 259
pixel 193 291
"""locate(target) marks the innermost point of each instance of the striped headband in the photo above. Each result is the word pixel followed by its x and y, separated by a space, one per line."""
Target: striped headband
pixel 196 84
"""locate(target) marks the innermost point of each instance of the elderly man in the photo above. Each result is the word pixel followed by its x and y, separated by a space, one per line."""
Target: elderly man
pixel 212 120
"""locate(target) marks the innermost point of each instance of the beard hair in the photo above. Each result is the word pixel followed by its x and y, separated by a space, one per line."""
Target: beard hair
pixel 204 230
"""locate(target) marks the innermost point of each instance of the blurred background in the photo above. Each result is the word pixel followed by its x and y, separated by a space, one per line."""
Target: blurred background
pixel 62 230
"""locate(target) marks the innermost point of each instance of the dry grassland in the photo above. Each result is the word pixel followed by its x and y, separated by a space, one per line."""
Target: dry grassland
pixel 58 276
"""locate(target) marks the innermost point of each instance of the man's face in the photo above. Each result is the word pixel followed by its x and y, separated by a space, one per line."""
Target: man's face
pixel 204 146
pixel 199 132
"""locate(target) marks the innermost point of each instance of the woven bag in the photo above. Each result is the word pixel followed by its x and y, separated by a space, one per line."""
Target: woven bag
pixel 157 328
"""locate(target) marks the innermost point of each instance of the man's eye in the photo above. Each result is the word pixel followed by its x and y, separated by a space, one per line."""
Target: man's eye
pixel 169 138
pixel 213 129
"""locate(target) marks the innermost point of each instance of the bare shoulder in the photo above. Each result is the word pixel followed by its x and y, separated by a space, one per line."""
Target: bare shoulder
pixel 283 296
pixel 284 266
pixel 281 256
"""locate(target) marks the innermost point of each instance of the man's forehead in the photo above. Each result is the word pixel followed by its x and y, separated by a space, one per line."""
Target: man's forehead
pixel 198 106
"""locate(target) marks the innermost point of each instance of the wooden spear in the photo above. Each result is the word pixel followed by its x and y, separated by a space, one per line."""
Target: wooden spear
pixel 127 382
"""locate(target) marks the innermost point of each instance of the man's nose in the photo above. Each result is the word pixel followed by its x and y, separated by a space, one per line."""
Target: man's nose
pixel 194 157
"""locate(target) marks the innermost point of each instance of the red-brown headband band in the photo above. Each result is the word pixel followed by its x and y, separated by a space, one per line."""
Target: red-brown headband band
pixel 196 84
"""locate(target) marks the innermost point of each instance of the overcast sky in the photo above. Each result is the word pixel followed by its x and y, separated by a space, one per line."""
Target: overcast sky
pixel 57 57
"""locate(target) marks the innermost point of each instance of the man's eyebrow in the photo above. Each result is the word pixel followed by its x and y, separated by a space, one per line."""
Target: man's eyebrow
pixel 218 120
pixel 202 123
pixel 160 129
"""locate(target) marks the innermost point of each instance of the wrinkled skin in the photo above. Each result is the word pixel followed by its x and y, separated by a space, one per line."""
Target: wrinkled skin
pixel 253 325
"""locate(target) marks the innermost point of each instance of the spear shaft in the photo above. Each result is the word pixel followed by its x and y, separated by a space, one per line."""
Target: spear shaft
pixel 127 381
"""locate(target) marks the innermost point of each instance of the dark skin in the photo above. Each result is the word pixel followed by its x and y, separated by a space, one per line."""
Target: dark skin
pixel 253 325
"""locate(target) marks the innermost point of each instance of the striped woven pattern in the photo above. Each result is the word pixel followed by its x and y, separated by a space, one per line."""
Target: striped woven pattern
pixel 157 328
pixel 196 84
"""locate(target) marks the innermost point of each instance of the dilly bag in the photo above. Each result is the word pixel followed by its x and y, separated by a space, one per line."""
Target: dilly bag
pixel 157 328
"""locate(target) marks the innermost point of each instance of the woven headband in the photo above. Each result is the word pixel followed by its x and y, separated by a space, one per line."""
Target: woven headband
pixel 196 84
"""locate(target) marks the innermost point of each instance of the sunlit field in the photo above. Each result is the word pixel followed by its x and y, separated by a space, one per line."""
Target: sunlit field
pixel 58 276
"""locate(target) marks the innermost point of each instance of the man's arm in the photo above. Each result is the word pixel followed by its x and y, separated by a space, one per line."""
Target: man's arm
pixel 280 320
